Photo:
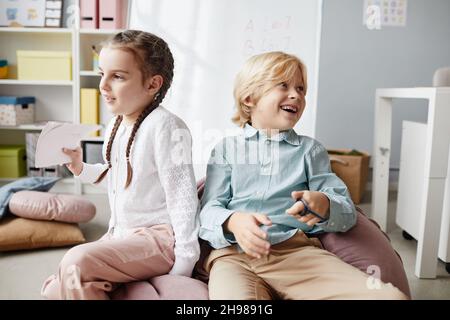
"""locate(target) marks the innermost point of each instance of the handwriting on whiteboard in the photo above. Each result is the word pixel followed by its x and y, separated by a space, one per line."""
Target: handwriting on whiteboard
pixel 264 34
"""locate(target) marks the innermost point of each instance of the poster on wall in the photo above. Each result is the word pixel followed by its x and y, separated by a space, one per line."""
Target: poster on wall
pixel 22 13
pixel 380 13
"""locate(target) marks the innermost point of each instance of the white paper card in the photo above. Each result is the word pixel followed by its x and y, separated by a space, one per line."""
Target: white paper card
pixel 58 135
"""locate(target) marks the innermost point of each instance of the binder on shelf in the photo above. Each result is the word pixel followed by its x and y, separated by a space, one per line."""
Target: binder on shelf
pixel 89 14
pixel 113 14
pixel 89 108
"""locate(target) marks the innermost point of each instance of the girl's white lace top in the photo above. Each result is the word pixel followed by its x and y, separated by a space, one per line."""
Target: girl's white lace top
pixel 163 187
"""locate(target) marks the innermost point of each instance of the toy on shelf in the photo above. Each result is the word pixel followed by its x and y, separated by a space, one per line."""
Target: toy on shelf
pixel 3 69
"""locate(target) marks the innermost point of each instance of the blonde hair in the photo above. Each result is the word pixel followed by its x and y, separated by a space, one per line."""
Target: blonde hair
pixel 260 74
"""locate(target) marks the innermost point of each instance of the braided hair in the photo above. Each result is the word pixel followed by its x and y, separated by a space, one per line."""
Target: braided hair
pixel 154 58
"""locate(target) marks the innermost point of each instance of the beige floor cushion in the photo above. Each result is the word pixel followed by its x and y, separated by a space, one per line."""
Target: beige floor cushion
pixel 20 233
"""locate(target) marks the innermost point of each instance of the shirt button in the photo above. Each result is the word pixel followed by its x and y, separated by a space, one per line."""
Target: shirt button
pixel 267 141
pixel 343 227
pixel 117 159
pixel 332 223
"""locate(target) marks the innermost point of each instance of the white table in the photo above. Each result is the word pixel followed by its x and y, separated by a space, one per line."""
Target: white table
pixel 436 161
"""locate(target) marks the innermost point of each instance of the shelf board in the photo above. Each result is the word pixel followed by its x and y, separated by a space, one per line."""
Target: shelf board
pixel 93 139
pixel 37 82
pixel 8 180
pixel 89 73
pixel 32 127
pixel 100 31
pixel 36 30
pixel 66 180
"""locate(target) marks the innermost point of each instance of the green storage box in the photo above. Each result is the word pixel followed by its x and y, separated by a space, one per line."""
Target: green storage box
pixel 13 161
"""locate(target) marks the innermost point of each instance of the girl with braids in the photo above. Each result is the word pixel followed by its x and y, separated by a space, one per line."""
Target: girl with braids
pixel 154 227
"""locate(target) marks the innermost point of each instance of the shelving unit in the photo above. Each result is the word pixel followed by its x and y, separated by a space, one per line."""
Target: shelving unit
pixel 55 100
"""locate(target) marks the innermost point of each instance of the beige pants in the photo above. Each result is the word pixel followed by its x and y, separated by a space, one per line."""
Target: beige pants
pixel 297 268
pixel 91 270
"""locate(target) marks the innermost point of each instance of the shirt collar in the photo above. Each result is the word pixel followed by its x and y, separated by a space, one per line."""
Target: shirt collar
pixel 290 136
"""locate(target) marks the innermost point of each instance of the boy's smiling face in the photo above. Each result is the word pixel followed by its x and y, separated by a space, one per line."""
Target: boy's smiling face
pixel 281 107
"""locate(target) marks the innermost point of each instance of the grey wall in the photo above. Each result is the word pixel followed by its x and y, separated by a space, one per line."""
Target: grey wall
pixel 354 61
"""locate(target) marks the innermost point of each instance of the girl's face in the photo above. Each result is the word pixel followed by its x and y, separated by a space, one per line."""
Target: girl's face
pixel 121 84
pixel 281 107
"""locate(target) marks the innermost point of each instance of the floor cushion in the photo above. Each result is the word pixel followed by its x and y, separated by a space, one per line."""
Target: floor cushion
pixel 365 246
pixel 20 234
pixel 50 206
pixel 30 183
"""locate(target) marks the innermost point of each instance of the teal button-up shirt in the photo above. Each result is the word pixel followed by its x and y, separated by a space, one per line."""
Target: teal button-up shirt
pixel 252 172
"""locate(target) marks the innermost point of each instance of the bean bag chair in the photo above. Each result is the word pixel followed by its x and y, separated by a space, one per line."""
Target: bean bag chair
pixel 365 247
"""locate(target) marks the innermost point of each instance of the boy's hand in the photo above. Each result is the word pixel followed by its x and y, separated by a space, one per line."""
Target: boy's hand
pixel 316 200
pixel 248 234
pixel 76 155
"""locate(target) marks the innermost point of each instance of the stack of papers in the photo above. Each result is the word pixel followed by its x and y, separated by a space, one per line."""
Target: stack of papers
pixel 58 135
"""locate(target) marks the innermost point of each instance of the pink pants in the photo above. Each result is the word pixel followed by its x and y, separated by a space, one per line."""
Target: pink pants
pixel 91 270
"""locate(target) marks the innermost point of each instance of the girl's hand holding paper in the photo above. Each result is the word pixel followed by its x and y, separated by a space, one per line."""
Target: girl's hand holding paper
pixel 58 135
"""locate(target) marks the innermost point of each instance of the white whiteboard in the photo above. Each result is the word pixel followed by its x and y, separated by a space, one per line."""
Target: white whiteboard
pixel 210 41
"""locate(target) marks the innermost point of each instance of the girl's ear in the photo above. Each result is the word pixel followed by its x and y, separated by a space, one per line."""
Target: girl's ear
pixel 154 84
pixel 248 101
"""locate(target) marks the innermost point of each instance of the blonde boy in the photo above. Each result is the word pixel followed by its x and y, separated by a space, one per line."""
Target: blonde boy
pixel 258 215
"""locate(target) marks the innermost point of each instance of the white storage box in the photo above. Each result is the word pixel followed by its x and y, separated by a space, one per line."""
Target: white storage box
pixel 16 110
pixel 30 143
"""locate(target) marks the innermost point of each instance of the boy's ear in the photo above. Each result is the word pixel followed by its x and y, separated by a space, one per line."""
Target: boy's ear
pixel 249 101
pixel 154 84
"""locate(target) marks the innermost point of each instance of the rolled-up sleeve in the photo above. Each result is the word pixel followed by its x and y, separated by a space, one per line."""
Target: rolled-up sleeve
pixel 217 195
pixel 321 178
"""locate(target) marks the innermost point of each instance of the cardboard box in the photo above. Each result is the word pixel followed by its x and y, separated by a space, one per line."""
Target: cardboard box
pixel 353 168
pixel 44 65
pixel 13 161
pixel 16 110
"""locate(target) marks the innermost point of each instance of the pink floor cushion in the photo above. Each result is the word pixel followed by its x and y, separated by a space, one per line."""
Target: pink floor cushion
pixel 368 248
pixel 166 287
pixel 39 205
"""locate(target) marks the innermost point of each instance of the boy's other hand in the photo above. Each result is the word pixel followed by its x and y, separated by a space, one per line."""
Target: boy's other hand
pixel 248 234
pixel 76 156
pixel 316 200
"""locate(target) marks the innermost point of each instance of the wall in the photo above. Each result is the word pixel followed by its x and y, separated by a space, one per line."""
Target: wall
pixel 354 61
